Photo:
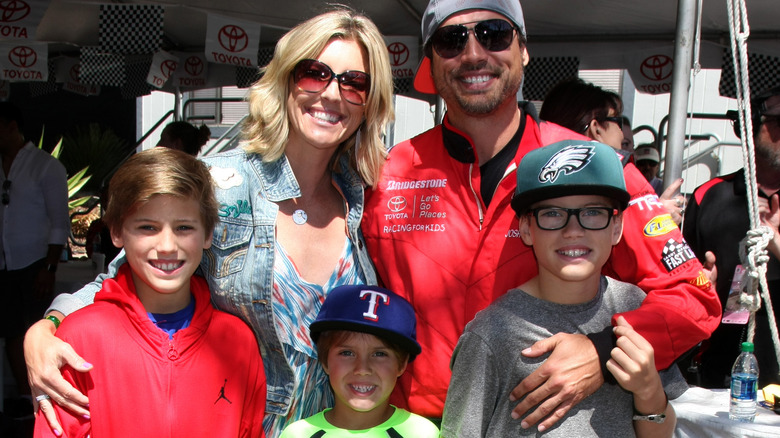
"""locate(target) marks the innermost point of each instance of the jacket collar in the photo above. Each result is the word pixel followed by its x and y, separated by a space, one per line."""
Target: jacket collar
pixel 276 177
pixel 121 292
pixel 460 147
pixel 279 183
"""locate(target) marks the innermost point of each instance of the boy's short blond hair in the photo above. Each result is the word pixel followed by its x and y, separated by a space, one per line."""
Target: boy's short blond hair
pixel 160 171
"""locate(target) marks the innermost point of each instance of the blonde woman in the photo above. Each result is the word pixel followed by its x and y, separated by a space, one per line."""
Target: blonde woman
pixel 290 207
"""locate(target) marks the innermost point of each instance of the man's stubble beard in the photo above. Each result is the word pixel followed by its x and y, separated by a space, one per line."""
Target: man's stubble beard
pixel 768 157
pixel 486 103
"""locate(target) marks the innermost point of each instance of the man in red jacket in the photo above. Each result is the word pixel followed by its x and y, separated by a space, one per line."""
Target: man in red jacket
pixel 442 234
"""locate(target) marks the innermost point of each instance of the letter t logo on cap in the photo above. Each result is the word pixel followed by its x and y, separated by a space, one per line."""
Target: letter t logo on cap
pixel 373 303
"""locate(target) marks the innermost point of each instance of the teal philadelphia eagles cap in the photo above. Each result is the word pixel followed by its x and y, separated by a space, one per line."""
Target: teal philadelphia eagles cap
pixel 369 309
pixel 571 167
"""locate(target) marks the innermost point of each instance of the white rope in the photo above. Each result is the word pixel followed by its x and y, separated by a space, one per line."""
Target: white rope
pixel 753 253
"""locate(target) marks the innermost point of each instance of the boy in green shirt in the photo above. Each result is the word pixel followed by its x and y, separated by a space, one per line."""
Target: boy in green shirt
pixel 365 337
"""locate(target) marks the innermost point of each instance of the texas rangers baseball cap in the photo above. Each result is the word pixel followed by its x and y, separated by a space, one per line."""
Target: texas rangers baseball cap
pixel 439 10
pixel 571 167
pixel 369 309
pixel 646 152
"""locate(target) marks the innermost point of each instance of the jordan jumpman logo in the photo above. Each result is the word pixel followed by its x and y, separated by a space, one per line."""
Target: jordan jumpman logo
pixel 222 394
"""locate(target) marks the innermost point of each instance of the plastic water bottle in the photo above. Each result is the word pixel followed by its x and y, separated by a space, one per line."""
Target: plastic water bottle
pixel 744 385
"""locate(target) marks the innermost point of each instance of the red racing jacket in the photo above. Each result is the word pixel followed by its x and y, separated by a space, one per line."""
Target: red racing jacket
pixel 435 242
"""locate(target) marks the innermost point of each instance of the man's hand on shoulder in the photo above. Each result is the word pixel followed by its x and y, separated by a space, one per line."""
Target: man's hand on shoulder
pixel 571 373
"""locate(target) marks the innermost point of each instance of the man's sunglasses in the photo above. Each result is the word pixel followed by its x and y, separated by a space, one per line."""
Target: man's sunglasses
pixel 494 35
pixel 313 76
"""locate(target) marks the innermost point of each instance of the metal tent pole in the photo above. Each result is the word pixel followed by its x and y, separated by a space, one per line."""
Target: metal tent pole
pixel 681 81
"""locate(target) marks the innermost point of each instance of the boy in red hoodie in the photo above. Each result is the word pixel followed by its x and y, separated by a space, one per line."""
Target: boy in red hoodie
pixel 166 363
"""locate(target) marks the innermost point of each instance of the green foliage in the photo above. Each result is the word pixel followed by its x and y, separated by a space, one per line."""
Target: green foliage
pixel 75 182
pixel 95 147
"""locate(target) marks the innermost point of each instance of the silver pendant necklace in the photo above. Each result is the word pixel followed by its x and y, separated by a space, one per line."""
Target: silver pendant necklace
pixel 300 217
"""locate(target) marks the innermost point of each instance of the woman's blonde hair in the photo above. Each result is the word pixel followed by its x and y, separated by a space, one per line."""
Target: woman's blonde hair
pixel 267 127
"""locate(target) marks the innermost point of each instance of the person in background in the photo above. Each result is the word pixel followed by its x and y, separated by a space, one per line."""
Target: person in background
pixel 185 137
pixel 716 220
pixel 442 234
pixel 595 112
pixel 572 219
pixel 34 228
pixel 628 136
pixel 587 109
pixel 291 202
pixel 647 160
pixel 176 361
pixel 365 337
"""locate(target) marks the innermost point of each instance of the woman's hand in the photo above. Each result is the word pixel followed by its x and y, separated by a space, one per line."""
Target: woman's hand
pixel 45 354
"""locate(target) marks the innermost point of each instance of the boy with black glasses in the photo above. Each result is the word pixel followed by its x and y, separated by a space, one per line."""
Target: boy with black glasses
pixel 570 201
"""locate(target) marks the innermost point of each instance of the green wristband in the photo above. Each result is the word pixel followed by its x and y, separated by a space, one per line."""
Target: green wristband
pixel 53 319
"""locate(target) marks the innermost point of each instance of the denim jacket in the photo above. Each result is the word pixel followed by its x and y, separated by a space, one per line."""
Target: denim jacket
pixel 239 264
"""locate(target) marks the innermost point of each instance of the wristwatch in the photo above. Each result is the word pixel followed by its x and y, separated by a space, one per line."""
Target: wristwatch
pixel 52 267
pixel 655 418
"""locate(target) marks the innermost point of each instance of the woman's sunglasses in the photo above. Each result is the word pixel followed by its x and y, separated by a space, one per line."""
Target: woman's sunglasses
pixel 494 35
pixel 313 76
pixel 618 120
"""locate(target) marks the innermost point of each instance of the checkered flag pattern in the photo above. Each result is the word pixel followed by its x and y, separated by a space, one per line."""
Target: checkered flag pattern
pixel 101 68
pixel 403 86
pixel 762 69
pixel 672 246
pixel 131 29
pixel 38 89
pixel 264 56
pixel 542 74
pixel 246 76
pixel 136 70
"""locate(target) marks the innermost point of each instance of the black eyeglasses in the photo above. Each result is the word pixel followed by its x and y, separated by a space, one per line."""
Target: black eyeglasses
pixel 589 218
pixel 494 35
pixel 618 120
pixel 313 76
pixel 6 189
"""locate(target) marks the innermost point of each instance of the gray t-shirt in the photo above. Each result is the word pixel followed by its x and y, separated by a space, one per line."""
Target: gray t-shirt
pixel 487 365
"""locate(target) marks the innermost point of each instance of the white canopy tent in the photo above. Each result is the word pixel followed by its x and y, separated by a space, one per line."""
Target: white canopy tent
pixel 599 34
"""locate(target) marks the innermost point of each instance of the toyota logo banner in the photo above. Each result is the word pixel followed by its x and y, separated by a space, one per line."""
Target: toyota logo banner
pixel 24 61
pixel 163 66
pixel 68 71
pixel 651 70
pixel 403 55
pixel 192 70
pixel 20 18
pixel 231 41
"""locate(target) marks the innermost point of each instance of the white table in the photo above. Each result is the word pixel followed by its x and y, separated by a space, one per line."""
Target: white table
pixel 705 413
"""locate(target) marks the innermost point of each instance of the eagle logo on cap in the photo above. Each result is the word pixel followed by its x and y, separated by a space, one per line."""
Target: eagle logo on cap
pixel 568 160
